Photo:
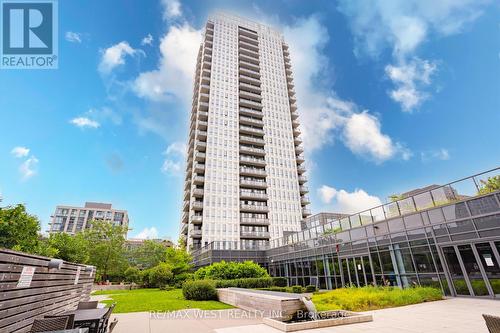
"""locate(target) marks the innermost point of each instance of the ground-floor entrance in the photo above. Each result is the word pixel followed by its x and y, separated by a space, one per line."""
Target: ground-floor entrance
pixel 473 268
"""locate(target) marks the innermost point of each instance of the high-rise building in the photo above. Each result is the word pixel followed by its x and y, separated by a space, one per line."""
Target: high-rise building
pixel 72 219
pixel 245 181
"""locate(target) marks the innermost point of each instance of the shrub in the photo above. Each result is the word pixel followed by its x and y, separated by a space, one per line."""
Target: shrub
pixel 200 290
pixel 160 275
pixel 297 289
pixel 245 283
pixel 279 282
pixel 180 278
pixel 133 275
pixel 311 288
pixel 230 271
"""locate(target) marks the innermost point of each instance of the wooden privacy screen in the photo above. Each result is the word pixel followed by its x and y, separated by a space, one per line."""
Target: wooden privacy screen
pixel 50 291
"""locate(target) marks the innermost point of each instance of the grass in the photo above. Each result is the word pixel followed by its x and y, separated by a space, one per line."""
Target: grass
pixel 155 300
pixel 373 298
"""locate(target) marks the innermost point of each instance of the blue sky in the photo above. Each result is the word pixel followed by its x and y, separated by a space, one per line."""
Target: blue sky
pixel 392 96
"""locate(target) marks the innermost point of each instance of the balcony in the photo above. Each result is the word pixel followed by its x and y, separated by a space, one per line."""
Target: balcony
pixel 249 72
pixel 251 87
pixel 254 208
pixel 252 172
pixel 252 150
pixel 185 207
pixel 203 115
pixel 293 107
pixel 301 170
pixel 294 115
pixel 253 183
pixel 251 104
pixel 205 87
pixel 248 46
pixel 200 145
pixel 251 121
pixel 249 79
pixel 297 140
pixel 249 52
pixel 184 228
pixel 296 131
pixel 199 168
pixel 202 125
pixel 302 179
pixel 251 113
pixel 303 189
pixel 254 234
pixel 184 217
pixel 253 195
pixel 196 219
pixel 196 233
pixel 251 130
pixel 250 95
pixel 252 140
pixel 199 156
pixel 250 59
pixel 198 180
pixel 198 192
pixel 299 149
pixel 304 200
pixel 201 135
pixel 247 32
pixel 248 64
pixel 253 221
pixel 247 39
pixel 206 65
pixel 203 106
pixel 253 160
pixel 306 212
pixel 204 97
pixel 197 205
pixel 295 124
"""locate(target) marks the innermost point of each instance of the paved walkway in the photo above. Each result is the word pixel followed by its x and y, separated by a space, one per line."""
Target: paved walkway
pixel 452 315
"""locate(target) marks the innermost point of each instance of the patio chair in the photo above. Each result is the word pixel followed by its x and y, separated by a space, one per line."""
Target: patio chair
pixel 49 324
pixel 71 319
pixel 492 322
pixel 87 305
pixel 112 325
pixel 104 322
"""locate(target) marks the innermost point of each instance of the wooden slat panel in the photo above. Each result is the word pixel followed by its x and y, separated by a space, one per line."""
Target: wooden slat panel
pixel 51 291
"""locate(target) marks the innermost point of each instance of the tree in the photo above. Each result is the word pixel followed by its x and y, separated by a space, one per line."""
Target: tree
pixel 489 185
pixel 395 197
pixel 161 275
pixel 106 247
pixel 70 248
pixel 148 255
pixel 19 230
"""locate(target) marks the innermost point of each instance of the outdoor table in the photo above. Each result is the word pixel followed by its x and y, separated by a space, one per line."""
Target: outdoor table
pixel 88 317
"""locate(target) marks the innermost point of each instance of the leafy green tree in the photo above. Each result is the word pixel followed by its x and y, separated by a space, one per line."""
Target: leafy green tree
pixel 148 255
pixel 19 230
pixel 489 185
pixel 161 275
pixel 70 248
pixel 133 274
pixel 395 197
pixel 231 270
pixel 106 248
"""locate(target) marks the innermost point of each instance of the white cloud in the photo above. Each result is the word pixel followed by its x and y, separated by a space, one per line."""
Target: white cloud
pixel 148 40
pixel 20 151
pixel 172 9
pixel 115 56
pixel 342 201
pixel 28 168
pixel 84 122
pixel 174 155
pixel 403 26
pixel 323 115
pixel 439 154
pixel 326 193
pixel 73 37
pixel 147 233
pixel 173 79
pixel 409 78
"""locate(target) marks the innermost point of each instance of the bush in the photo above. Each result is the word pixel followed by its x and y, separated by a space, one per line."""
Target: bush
pixel 180 278
pixel 230 271
pixel 280 282
pixel 160 275
pixel 372 298
pixel 245 283
pixel 311 288
pixel 297 289
pixel 201 290
pixel 133 275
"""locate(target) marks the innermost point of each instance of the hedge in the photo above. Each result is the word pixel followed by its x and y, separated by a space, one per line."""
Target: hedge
pixel 199 290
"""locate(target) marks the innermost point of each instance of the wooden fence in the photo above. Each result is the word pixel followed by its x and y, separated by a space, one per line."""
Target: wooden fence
pixel 29 289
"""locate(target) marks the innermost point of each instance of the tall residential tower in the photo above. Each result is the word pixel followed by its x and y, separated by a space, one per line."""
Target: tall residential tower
pixel 245 180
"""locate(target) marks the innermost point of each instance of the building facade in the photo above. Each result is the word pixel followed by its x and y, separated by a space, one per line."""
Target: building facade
pixel 245 169
pixel 72 219
pixel 431 239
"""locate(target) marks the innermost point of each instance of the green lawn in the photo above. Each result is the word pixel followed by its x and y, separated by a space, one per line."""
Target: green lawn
pixel 372 298
pixel 155 300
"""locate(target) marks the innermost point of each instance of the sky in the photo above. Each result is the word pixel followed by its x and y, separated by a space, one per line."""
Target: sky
pixel 392 95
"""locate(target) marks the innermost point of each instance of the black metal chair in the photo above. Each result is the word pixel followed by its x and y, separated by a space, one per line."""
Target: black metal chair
pixel 492 322
pixel 71 319
pixel 112 325
pixel 105 320
pixel 49 324
pixel 87 305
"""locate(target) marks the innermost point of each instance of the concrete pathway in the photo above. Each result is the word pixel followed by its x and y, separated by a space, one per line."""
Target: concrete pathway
pixel 451 315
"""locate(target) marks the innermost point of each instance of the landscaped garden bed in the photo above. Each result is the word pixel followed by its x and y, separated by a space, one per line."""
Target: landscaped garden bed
pixel 373 298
